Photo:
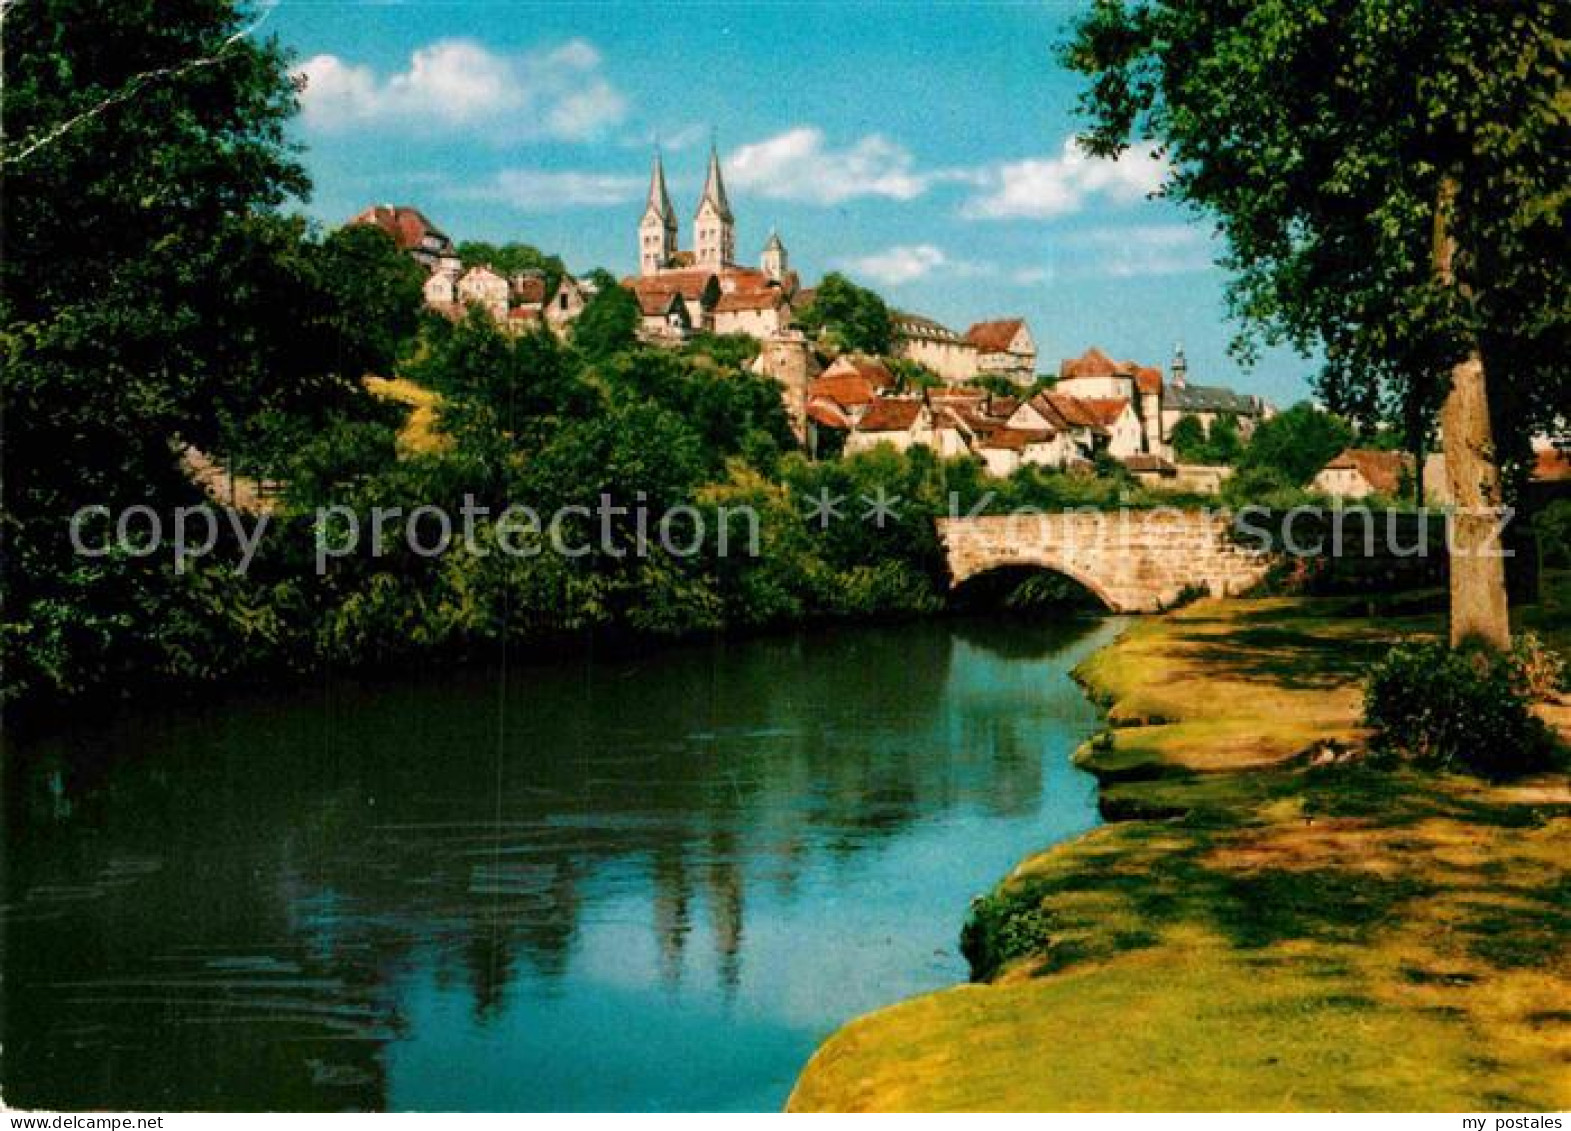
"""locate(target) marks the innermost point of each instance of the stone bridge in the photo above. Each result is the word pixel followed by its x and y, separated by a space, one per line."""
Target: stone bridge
pixel 1134 561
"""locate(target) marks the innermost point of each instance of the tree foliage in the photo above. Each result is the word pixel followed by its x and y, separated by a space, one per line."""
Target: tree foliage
pixel 850 317
pixel 137 182
pixel 1218 445
pixel 1297 443
pixel 510 259
pixel 608 323
pixel 1390 178
pixel 1317 135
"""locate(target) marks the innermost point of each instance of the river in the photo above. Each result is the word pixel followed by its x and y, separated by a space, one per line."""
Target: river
pixel 627 883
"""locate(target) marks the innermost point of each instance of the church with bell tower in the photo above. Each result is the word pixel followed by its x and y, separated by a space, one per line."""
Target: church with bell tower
pixel 702 288
pixel 714 230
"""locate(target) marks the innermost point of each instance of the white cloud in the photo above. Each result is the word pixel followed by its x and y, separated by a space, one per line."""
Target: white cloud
pixel 1137 251
pixel 799 165
pixel 533 190
pixel 896 265
pixel 1057 186
pixel 560 92
pixel 906 263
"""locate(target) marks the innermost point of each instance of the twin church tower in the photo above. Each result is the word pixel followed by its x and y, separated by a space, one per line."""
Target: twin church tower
pixel 714 230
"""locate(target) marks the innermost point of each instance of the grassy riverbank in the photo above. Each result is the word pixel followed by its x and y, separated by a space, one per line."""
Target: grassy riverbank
pixel 1264 924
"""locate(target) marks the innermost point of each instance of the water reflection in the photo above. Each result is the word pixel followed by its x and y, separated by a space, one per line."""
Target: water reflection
pixel 632 884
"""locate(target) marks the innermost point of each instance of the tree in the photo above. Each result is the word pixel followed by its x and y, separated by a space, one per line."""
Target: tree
pixel 609 322
pixel 851 317
pixel 373 296
pixel 1188 438
pixel 1222 443
pixel 142 139
pixel 1389 176
pixel 1298 443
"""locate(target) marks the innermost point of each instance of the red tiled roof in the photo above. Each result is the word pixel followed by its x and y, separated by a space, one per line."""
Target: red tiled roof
pixel 848 390
pixel 1383 471
pixel 656 303
pixel 1552 465
pixel 689 284
pixel 1014 439
pixel 529 289
pixel 995 336
pixel 1105 410
pixel 768 299
pixel 524 314
pixel 408 226
pixel 1065 412
pixel 867 367
pixel 743 279
pixel 828 414
pixel 890 415
pixel 1092 363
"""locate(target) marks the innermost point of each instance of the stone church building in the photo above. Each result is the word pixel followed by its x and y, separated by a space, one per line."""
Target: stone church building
pixel 719 295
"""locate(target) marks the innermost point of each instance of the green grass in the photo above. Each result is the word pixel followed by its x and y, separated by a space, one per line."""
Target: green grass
pixel 1259 927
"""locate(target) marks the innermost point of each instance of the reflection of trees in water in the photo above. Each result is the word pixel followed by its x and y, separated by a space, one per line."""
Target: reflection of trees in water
pixel 525 910
pixel 673 896
pixel 719 766
pixel 725 905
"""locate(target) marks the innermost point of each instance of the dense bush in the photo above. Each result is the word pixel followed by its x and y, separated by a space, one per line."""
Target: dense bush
pixel 1540 672
pixel 1001 928
pixel 1465 708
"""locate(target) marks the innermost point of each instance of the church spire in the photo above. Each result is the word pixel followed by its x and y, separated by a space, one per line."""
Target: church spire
pixel 714 187
pixel 657 233
pixel 659 198
pixel 714 228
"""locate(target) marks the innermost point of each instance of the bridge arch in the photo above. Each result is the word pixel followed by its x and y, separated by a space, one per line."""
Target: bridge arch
pixel 1047 564
pixel 1134 561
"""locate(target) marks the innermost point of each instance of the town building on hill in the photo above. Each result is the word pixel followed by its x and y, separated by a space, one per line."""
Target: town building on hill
pixel 519 303
pixel 663 316
pixel 1357 473
pixel 869 369
pixel 1096 375
pixel 758 313
pixel 427 244
pixel 1209 403
pixel 1005 348
pixel 480 286
pixel 930 343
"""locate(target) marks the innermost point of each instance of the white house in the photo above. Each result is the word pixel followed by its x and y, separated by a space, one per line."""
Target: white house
pixel 663 316
pixel 1005 348
pixel 483 287
pixel 758 314
pixel 934 345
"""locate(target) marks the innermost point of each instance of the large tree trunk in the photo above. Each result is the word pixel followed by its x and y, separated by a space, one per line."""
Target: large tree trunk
pixel 1479 607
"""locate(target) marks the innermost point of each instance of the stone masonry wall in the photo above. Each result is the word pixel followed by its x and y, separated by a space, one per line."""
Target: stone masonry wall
pixel 1135 561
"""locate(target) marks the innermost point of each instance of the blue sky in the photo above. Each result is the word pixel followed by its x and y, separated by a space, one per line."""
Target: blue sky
pixel 922 148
